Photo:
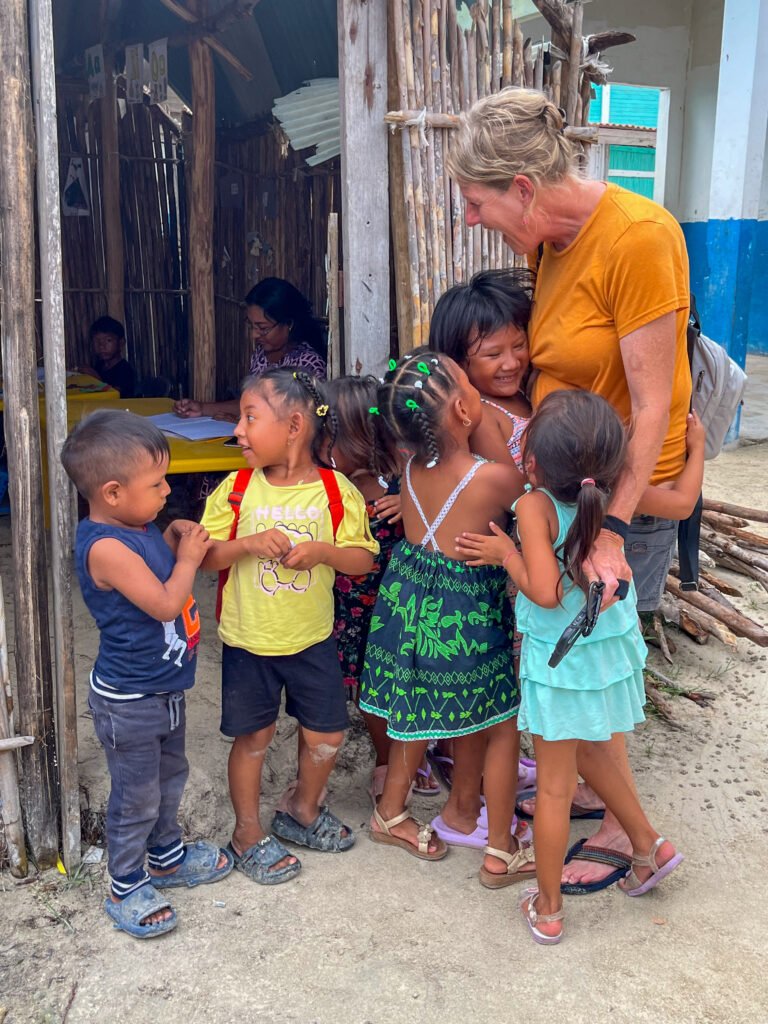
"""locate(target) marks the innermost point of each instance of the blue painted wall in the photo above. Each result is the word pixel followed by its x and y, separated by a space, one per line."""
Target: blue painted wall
pixel 729 277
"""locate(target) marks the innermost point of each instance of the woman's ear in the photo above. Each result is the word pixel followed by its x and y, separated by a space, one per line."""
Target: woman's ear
pixel 524 190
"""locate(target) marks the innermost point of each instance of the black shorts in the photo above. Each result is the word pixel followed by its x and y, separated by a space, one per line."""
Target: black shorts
pixel 252 686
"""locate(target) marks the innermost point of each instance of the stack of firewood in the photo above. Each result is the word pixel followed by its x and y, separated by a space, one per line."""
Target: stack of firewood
pixel 727 542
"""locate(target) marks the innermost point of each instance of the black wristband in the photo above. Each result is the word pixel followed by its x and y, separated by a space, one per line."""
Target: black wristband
pixel 617 526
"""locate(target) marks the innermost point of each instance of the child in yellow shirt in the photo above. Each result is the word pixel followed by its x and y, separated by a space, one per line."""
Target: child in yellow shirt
pixel 295 526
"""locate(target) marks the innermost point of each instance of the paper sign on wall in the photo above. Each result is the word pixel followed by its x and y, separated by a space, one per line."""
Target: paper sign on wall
pixel 134 73
pixel 74 196
pixel 158 71
pixel 94 69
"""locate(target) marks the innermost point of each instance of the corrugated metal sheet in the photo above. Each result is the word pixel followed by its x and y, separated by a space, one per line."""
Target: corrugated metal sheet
pixel 310 116
pixel 283 43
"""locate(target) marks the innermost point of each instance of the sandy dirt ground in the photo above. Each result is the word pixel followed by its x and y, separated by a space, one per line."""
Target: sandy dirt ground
pixel 373 936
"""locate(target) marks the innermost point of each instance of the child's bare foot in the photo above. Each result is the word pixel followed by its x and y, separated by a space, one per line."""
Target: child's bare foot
pixel 409 829
pixel 585 799
pixel 161 915
pixel 243 841
pixel 220 863
pixel 535 909
pixel 495 866
pixel 648 869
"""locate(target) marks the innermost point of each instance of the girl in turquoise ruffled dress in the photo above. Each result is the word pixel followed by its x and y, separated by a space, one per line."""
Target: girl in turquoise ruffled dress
pixel 573 453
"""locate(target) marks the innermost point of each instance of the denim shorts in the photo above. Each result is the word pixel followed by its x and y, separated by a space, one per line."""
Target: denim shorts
pixel 252 687
pixel 649 548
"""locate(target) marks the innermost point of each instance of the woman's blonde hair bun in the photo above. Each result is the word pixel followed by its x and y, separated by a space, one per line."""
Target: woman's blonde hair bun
pixel 515 131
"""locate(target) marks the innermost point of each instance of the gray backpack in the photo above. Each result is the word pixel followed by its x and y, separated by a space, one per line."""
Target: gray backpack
pixel 718 386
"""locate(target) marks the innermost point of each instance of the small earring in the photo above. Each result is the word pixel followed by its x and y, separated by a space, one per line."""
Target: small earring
pixel 467 423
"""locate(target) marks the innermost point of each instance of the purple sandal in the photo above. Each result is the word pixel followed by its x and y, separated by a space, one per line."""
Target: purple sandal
pixel 633 886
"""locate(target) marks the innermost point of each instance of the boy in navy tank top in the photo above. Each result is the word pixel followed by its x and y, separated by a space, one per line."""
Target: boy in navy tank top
pixel 137 584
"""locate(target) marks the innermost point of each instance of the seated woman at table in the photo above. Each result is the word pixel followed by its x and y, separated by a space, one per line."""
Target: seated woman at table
pixel 107 338
pixel 279 320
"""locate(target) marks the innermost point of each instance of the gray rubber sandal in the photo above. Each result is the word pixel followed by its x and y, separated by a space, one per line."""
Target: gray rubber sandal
pixel 128 914
pixel 198 867
pixel 326 833
pixel 258 862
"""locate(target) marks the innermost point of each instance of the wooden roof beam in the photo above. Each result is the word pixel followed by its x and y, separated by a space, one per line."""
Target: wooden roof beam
pixel 204 29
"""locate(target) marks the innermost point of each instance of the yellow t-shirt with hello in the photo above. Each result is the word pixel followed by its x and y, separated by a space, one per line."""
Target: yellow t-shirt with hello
pixel 627 266
pixel 266 608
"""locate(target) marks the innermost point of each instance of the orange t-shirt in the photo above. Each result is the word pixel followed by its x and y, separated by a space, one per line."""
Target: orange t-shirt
pixel 627 266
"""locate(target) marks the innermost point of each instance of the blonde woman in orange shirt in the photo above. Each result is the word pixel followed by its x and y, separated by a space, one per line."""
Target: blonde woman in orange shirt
pixel 609 315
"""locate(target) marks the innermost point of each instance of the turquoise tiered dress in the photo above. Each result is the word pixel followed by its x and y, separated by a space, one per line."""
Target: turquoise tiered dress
pixel 598 688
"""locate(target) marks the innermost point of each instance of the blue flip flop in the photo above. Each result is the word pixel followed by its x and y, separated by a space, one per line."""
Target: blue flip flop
pixel 324 833
pixel 198 867
pixel 141 903
pixel 258 862
pixel 578 813
pixel 581 850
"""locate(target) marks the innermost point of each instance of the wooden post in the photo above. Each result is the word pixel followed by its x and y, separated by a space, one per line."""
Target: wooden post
pixel 332 275
pixel 574 62
pixel 200 221
pixel 60 489
pixel 110 174
pixel 362 27
pixel 22 435
pixel 9 780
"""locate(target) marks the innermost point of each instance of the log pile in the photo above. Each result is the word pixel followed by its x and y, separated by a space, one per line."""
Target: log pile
pixel 727 541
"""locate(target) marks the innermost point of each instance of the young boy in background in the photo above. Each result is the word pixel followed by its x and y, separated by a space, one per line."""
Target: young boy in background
pixel 107 338
pixel 137 583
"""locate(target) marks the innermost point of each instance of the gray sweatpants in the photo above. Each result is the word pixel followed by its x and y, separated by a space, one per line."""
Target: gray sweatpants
pixel 144 743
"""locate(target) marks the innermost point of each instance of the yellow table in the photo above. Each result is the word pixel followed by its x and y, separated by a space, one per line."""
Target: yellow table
pixel 81 387
pixel 186 456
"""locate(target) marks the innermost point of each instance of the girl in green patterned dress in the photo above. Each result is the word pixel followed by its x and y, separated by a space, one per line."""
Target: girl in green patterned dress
pixel 439 656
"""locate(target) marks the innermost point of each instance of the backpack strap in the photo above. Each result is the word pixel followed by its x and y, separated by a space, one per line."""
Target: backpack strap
pixel 235 499
pixel 689 530
pixel 335 505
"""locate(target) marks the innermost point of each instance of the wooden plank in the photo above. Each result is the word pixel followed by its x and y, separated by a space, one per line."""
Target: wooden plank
pixel 22 436
pixel 59 487
pixel 200 208
pixel 113 224
pixel 362 30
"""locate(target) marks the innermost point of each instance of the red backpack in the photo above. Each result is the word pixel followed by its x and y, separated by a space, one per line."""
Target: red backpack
pixel 243 478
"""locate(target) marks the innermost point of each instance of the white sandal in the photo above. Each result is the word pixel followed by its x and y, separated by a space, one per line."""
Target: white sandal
pixel 533 917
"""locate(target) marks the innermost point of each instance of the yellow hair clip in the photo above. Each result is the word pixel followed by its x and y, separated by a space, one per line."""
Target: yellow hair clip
pixel 322 410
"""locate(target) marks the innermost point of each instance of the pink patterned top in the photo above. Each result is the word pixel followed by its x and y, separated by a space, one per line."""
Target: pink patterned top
pixel 519 423
pixel 300 357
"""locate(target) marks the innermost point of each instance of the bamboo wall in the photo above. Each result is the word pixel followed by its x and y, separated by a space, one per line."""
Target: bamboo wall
pixel 441 69
pixel 153 214
pixel 271 221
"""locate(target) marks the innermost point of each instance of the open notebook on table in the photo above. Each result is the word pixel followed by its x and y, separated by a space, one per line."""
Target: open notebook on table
pixel 195 428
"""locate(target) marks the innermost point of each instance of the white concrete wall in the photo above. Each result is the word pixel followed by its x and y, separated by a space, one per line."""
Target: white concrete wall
pixel 678 48
pixel 700 106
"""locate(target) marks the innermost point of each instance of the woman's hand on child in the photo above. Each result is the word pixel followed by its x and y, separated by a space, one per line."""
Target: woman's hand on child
pixel 696 435
pixel 193 544
pixel 389 508
pixel 305 555
pixel 481 550
pixel 269 544
pixel 188 407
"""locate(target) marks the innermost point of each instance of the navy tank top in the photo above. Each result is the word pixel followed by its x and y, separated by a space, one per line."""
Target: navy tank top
pixel 138 654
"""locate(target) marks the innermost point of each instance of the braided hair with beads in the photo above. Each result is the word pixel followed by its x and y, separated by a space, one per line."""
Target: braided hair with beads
pixel 297 389
pixel 411 400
